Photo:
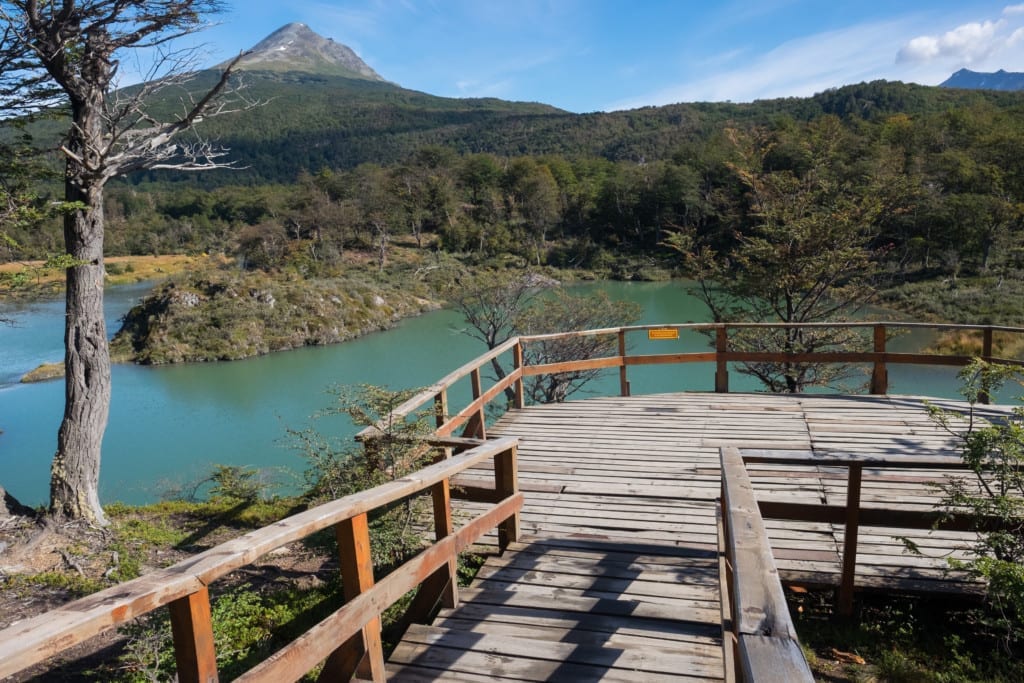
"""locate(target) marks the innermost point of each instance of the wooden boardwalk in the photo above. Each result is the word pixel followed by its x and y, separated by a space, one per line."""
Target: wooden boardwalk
pixel 616 577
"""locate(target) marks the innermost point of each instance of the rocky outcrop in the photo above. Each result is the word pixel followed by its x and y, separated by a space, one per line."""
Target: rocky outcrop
pixel 227 316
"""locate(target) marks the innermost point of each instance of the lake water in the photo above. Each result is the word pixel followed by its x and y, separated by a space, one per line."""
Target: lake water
pixel 168 425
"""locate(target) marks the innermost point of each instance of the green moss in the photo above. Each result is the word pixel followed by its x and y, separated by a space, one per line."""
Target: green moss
pixel 75 584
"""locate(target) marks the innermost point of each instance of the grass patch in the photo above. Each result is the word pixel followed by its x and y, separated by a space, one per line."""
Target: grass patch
pixel 73 584
pixel 902 638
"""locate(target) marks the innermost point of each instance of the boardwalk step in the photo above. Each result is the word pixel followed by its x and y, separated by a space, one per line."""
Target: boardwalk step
pixel 537 659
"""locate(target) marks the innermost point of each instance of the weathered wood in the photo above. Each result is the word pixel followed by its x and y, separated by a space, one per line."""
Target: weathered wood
pixel 879 373
pixel 623 379
pixel 441 407
pixel 34 640
pixel 666 358
pixel 443 526
pixel 758 602
pixel 476 494
pixel 764 658
pixel 445 382
pixel 879 517
pixel 832 458
pixel 477 422
pixel 479 404
pixel 721 366
pixel 192 631
pixel 357 578
pixel 767 648
pixel 573 366
pixel 850 540
pixel 506 483
pixel 729 642
pixel 302 654
pixel 519 401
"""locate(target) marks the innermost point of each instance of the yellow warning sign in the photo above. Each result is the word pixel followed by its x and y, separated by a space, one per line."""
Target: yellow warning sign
pixel 663 333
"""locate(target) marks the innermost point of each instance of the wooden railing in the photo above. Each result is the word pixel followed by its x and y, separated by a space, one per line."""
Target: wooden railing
pixel 851 515
pixel 348 640
pixel 760 639
pixel 471 417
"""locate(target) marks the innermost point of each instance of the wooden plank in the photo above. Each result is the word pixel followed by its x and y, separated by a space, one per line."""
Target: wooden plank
pixel 564 655
pixel 766 658
pixel 192 631
pixel 760 605
pixel 302 654
pixel 554 617
pixel 605 605
pixel 367 652
pixel 506 483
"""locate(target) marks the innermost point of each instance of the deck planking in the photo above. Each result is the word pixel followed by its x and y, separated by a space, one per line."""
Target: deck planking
pixel 616 576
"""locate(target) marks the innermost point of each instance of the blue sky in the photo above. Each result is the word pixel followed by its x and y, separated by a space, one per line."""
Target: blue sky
pixel 589 55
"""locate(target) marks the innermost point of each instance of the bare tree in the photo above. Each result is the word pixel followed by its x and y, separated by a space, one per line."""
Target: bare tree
pixel 497 306
pixel 65 52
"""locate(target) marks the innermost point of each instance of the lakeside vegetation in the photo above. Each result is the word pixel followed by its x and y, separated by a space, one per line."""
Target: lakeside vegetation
pixel 936 175
pixel 309 237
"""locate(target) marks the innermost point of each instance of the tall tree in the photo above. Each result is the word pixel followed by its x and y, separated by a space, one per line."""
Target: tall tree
pixel 802 253
pixel 78 47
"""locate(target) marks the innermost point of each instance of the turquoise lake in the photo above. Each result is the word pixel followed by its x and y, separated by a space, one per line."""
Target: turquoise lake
pixel 169 425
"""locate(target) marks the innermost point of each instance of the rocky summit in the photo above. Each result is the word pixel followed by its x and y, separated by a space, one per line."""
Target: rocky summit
pixel 296 47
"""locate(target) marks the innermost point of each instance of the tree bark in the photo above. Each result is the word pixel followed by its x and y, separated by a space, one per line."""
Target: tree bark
pixel 74 474
pixel 75 471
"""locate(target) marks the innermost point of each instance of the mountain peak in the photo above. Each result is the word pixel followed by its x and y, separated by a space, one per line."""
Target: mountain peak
pixel 976 80
pixel 296 47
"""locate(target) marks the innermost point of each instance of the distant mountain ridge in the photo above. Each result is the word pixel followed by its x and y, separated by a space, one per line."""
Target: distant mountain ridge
pixel 977 80
pixel 296 47
pixel 326 109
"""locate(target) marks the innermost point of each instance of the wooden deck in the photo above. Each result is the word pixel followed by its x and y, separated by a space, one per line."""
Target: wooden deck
pixel 617 574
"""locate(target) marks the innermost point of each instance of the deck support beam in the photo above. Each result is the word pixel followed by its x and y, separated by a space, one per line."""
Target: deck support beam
pixel 850 531
pixel 192 630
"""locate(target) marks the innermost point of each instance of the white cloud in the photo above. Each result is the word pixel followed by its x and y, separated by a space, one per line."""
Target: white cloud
pixel 1013 9
pixel 968 43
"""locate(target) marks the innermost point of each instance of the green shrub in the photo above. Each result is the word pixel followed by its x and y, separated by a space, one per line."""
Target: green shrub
pixel 339 468
pixel 993 498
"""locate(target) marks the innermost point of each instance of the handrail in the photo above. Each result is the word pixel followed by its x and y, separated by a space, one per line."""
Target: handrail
pixel 355 628
pixel 471 416
pixel 765 640
pixel 851 515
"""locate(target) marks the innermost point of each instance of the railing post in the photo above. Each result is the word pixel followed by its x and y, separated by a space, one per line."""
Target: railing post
pixel 623 380
pixel 517 364
pixel 475 426
pixel 443 526
pixel 880 373
pixel 506 483
pixel 986 355
pixel 721 367
pixel 192 630
pixel 442 497
pixel 853 481
pixel 441 408
pixel 363 654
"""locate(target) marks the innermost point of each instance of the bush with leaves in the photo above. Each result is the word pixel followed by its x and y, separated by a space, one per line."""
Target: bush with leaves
pixel 993 450
pixel 340 467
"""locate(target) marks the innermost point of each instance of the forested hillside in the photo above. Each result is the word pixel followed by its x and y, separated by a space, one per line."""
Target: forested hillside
pixel 311 122
pixel 332 164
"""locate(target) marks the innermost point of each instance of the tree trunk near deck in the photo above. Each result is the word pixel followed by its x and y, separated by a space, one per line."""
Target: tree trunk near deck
pixel 75 472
